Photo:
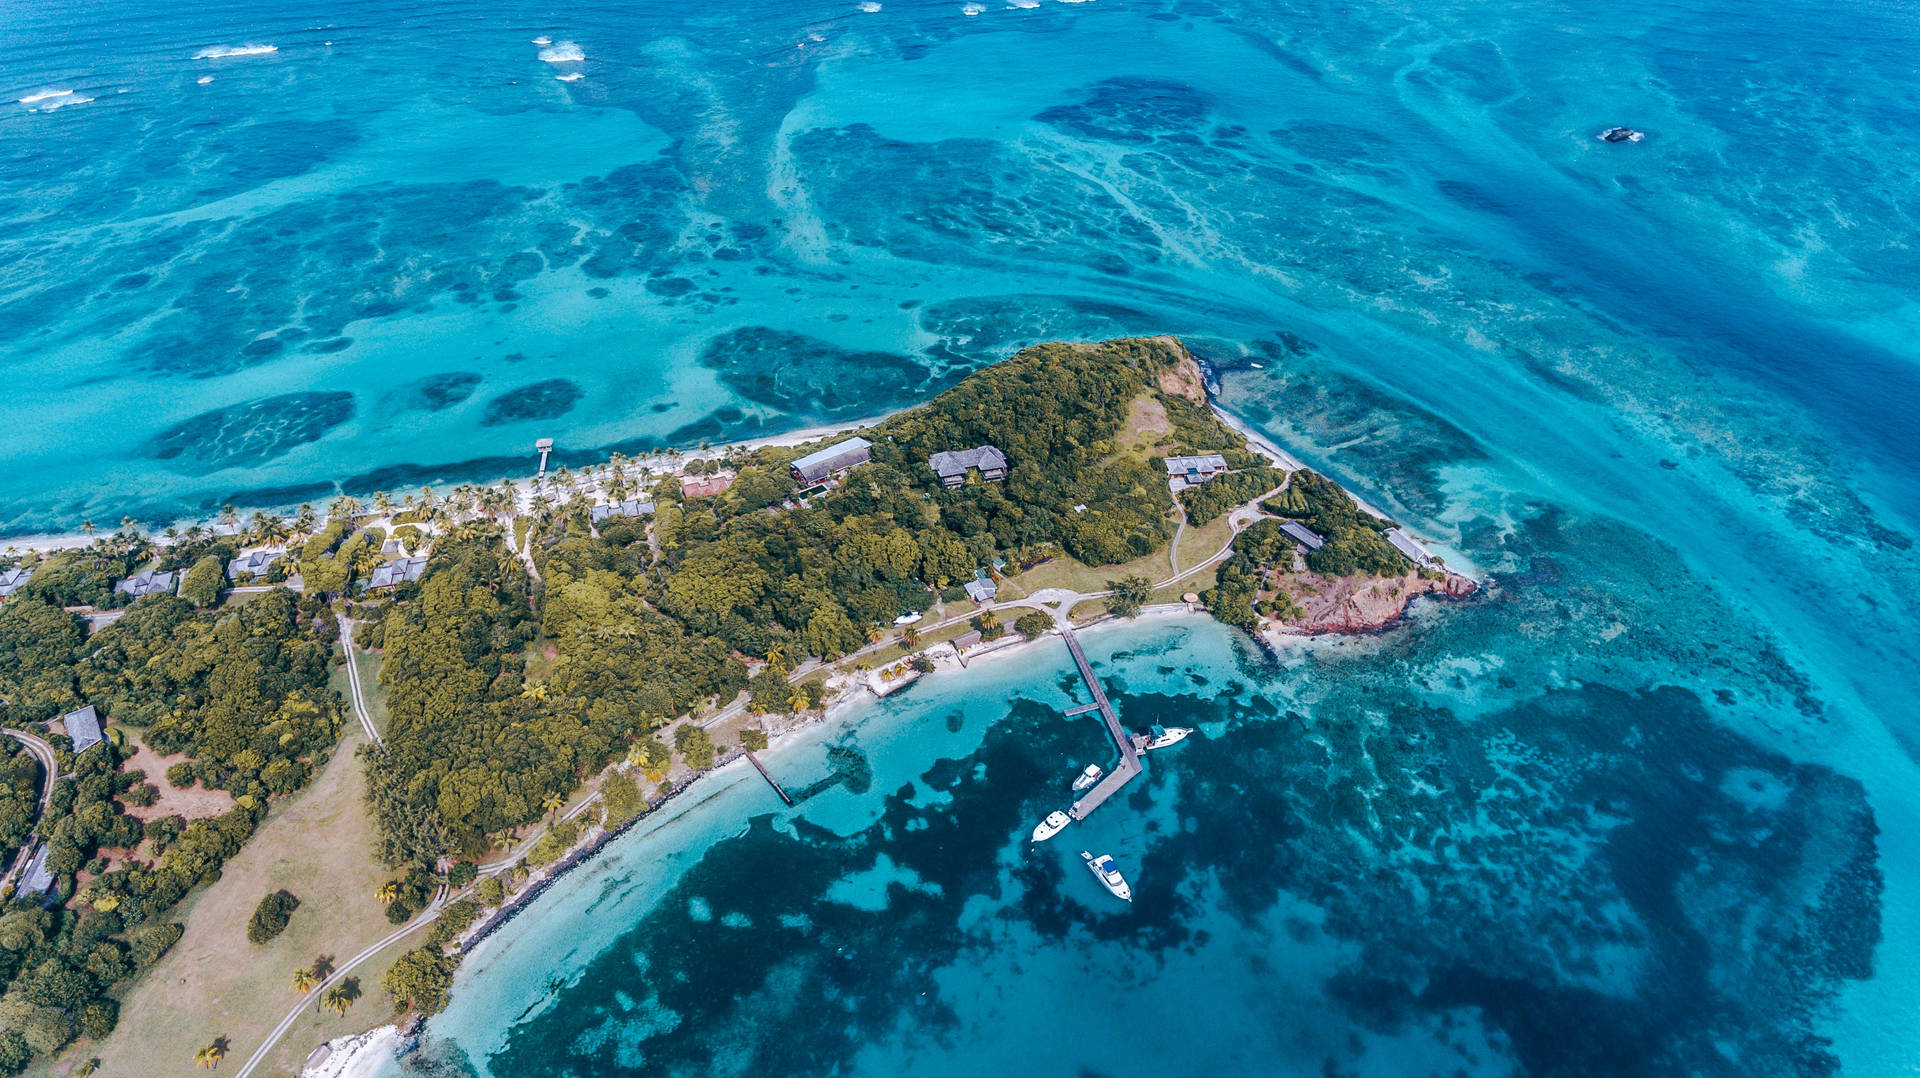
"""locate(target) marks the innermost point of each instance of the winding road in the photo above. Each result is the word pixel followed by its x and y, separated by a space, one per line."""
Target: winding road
pixel 42 753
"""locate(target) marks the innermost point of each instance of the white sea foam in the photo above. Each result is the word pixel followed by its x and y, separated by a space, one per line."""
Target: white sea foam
pixel 48 100
pixel 222 52
pixel 543 40
pixel 1023 5
pixel 566 52
pixel 869 6
pixel 570 76
pixel 204 79
pixel 973 9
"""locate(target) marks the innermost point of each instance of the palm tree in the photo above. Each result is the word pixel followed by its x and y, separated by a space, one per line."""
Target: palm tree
pixel 228 516
pixel 875 634
pixel 387 892
pixel 87 526
pixel 304 980
pixel 636 754
pixel 797 702
pixel 554 803
pixel 322 967
pixel 210 1056
pixel 341 996
pixel 911 637
pixel 533 691
pixel 383 502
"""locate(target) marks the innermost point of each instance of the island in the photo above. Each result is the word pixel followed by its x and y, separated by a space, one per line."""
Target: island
pixel 272 766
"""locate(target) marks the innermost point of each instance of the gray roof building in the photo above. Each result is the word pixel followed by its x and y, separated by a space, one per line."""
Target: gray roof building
pixel 12 580
pixel 982 590
pixel 149 582
pixel 952 467
pixel 632 507
pixel 36 880
pixel 398 571
pixel 1405 544
pixel 1306 536
pixel 1196 469
pixel 253 563
pixel 83 726
pixel 825 463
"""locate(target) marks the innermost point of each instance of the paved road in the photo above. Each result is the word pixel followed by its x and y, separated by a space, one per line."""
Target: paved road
pixel 353 681
pixel 42 753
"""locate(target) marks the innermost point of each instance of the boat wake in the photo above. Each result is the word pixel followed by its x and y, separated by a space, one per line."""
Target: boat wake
pixel 222 52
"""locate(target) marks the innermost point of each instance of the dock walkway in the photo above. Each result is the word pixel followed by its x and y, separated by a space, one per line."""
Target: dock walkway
pixel 1129 749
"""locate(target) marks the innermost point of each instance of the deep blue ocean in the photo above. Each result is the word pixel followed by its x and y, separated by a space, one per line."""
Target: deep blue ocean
pixel 1648 806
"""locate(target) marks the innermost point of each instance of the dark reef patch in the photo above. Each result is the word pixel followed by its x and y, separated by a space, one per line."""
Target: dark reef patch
pixel 550 399
pixel 435 392
pixel 250 433
pixel 806 376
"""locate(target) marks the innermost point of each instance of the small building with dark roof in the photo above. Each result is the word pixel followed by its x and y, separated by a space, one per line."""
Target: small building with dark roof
pixel 823 464
pixel 1406 544
pixel 632 507
pixel 13 579
pixel 253 563
pixel 149 582
pixel 83 726
pixel 982 590
pixel 1302 534
pixel 398 572
pixel 952 466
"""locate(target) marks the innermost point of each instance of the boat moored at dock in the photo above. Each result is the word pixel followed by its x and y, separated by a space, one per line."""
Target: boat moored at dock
pixel 1165 736
pixel 1087 778
pixel 1055 822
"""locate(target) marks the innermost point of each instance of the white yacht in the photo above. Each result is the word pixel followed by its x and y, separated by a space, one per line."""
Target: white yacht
pixel 1103 868
pixel 1051 826
pixel 1086 779
pixel 1168 735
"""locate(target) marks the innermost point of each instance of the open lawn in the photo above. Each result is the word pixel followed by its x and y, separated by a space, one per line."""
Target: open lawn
pixel 194 802
pixel 374 693
pixel 214 983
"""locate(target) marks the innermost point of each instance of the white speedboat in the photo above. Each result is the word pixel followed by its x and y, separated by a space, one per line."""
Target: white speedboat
pixel 1109 876
pixel 1168 735
pixel 1086 779
pixel 1055 822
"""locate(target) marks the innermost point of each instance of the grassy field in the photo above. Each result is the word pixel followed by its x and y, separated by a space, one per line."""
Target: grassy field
pixel 215 983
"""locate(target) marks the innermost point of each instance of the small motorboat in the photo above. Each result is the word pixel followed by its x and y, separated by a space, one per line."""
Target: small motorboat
pixel 1167 735
pixel 1621 134
pixel 1055 822
pixel 1109 876
pixel 1086 779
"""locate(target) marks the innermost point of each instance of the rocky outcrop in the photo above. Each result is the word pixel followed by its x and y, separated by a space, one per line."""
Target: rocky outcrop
pixel 1358 604
pixel 1184 379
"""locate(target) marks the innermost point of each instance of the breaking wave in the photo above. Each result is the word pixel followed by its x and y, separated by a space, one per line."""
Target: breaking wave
pixel 222 52
pixel 570 76
pixel 48 100
pixel 566 52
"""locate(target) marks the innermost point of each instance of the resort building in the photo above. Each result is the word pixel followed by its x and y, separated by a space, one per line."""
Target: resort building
pixel 253 563
pixel 952 467
pixel 149 582
pixel 1303 535
pixel 12 580
pixel 1183 472
pixel 632 507
pixel 705 487
pixel 83 726
pixel 1405 544
pixel 982 590
pixel 826 463
pixel 398 572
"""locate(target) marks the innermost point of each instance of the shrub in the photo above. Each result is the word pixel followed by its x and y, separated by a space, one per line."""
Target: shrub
pixel 1032 624
pixel 462 873
pixel 270 916
pixel 695 746
pixel 181 775
pixel 491 891
pixel 142 795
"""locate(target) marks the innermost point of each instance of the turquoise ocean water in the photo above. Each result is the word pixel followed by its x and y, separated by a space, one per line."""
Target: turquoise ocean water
pixel 1648 807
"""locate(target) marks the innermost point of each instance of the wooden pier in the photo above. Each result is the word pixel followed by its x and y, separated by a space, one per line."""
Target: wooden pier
pixel 1127 744
pixel 755 761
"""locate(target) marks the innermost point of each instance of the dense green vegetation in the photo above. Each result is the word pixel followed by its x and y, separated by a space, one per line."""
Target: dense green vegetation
pixel 1355 540
pixel 242 692
pixel 1207 501
pixel 270 917
pixel 19 797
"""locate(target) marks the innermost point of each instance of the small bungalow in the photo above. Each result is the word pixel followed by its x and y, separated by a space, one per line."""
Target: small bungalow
pixel 398 572
pixel 952 467
pixel 632 507
pixel 982 590
pixel 83 726
pixel 1303 535
pixel 1192 471
pixel 831 461
pixel 1406 544
pixel 253 563
pixel 13 580
pixel 149 582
